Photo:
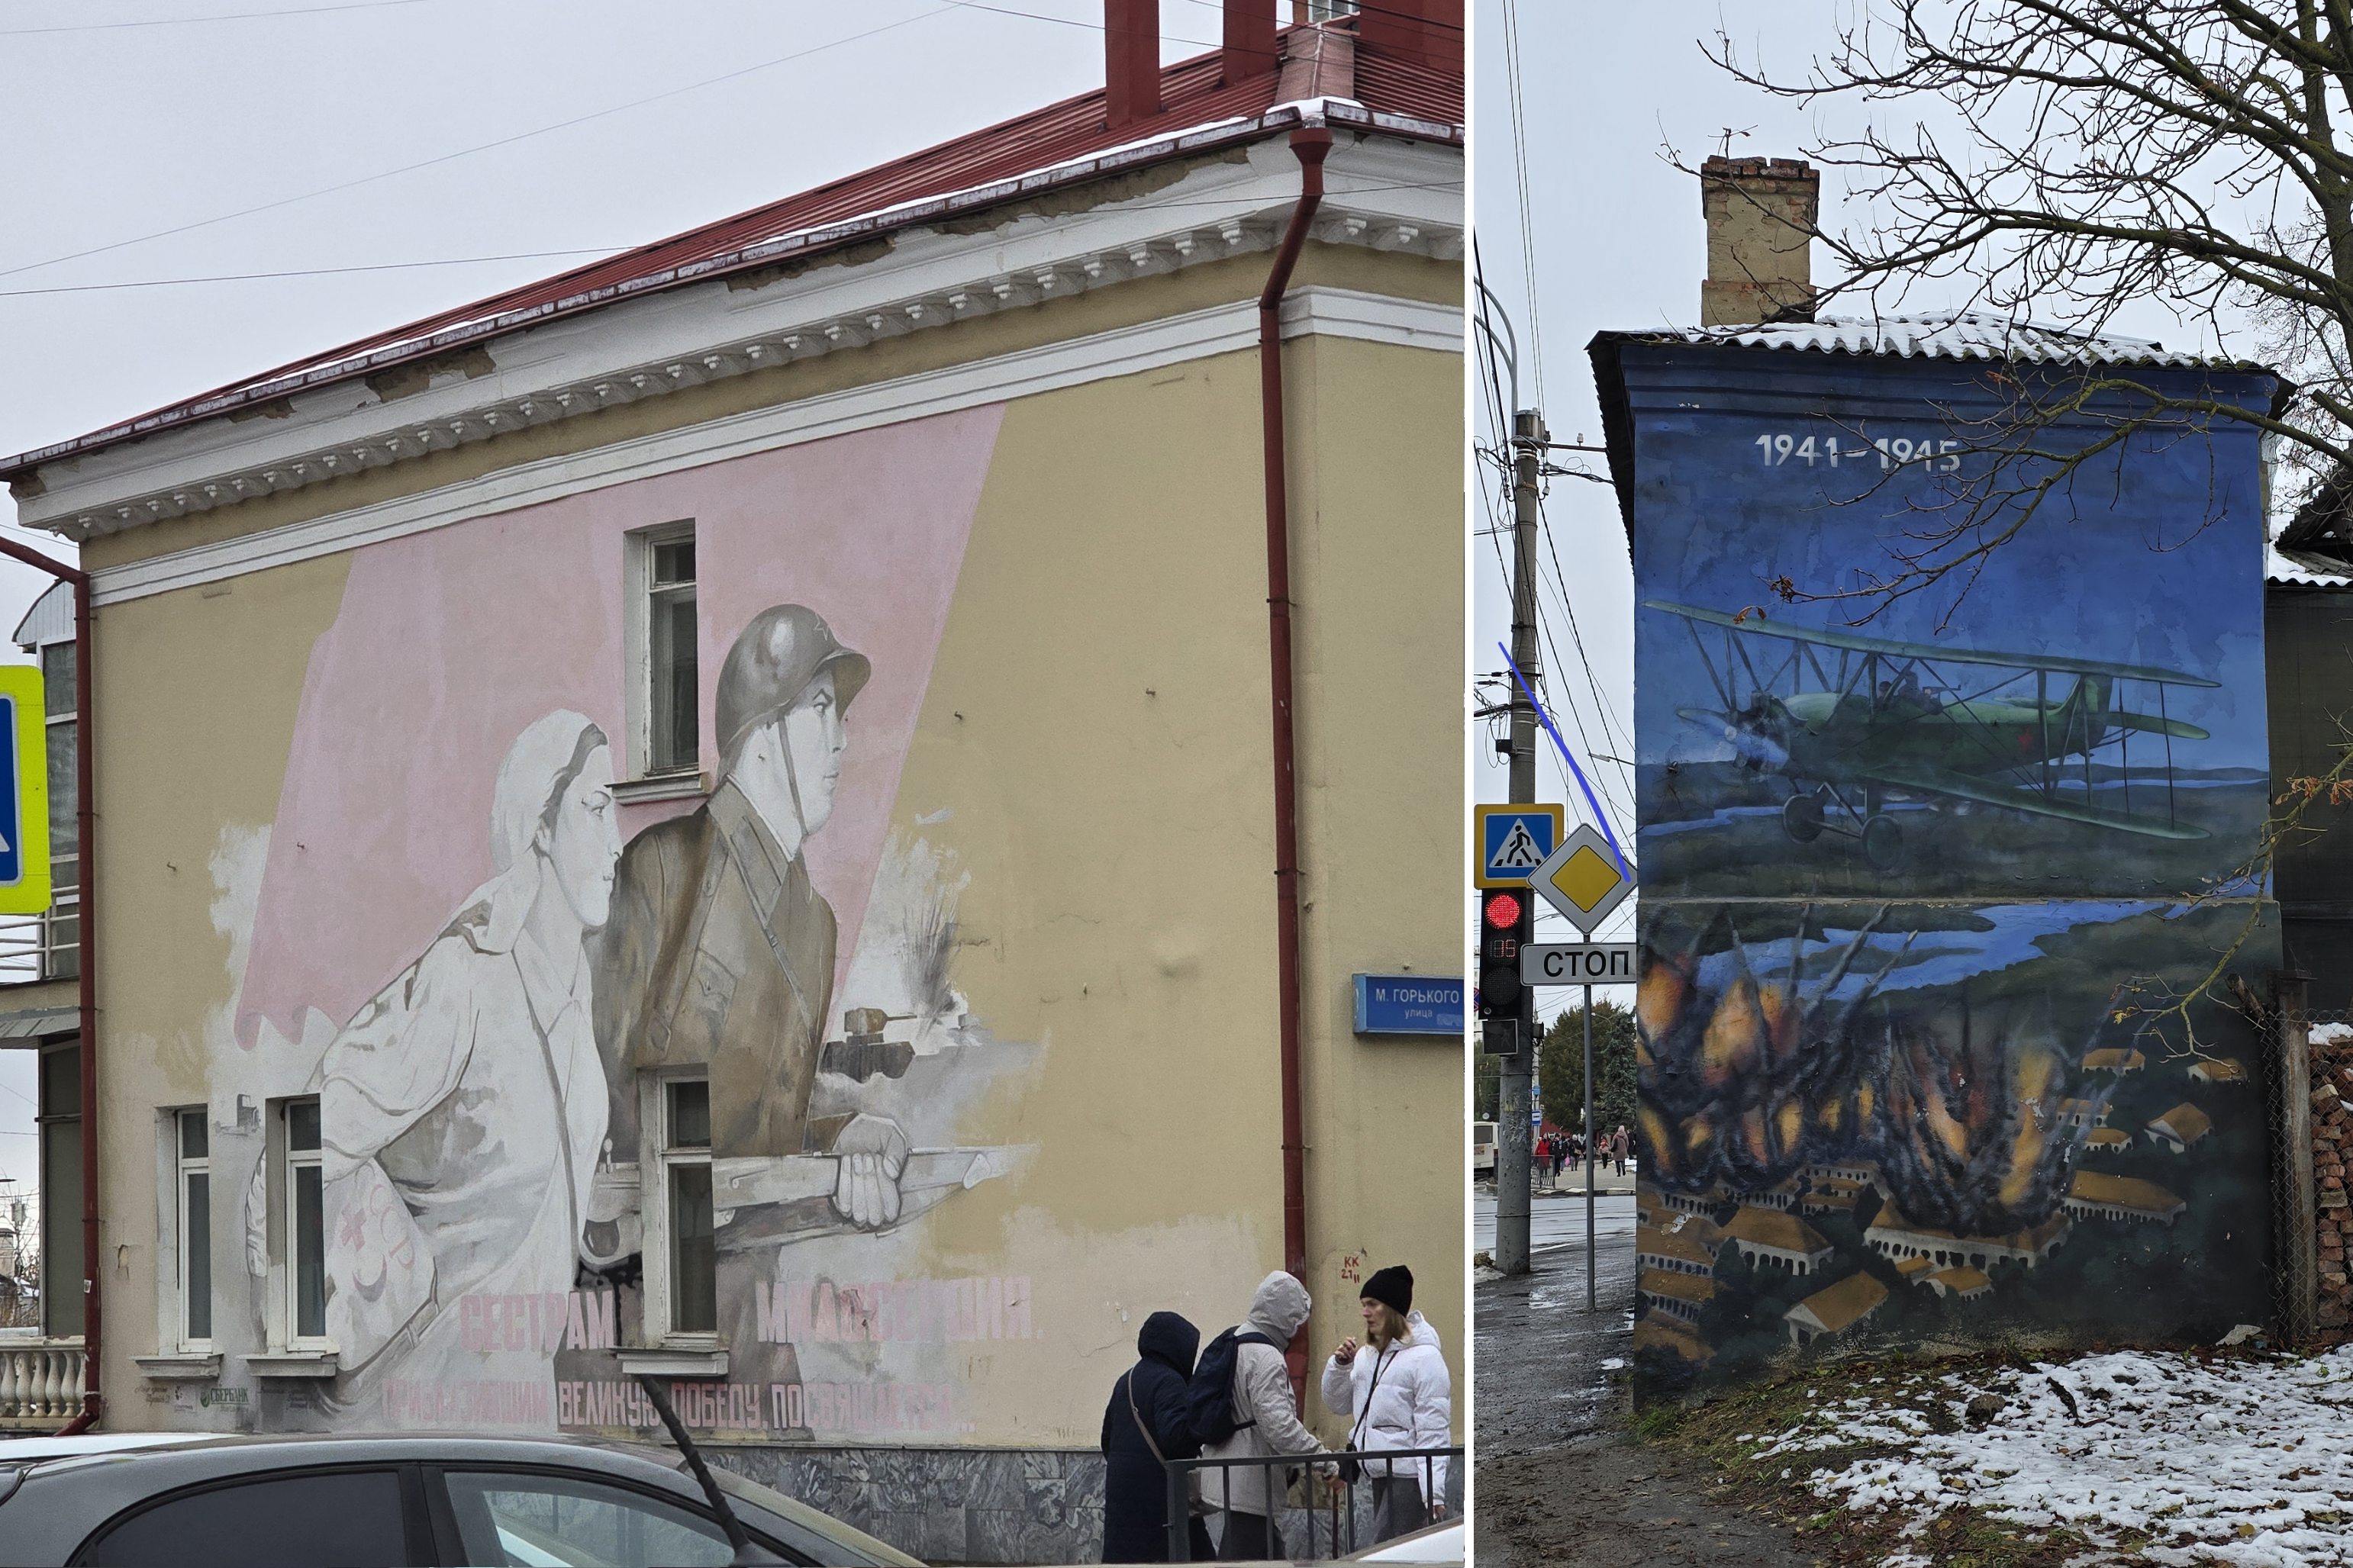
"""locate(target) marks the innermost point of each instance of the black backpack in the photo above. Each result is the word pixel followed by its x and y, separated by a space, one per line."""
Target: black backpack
pixel 1209 1396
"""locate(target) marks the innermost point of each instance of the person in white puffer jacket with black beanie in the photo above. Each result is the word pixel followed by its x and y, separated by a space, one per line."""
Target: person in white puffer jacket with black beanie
pixel 1398 1394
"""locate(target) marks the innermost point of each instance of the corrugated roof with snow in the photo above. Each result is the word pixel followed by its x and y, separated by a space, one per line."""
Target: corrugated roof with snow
pixel 2302 567
pixel 1942 335
pixel 1359 85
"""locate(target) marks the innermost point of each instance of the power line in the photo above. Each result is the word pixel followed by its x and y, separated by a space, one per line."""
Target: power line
pixel 1069 21
pixel 189 21
pixel 544 255
pixel 309 272
pixel 485 146
pixel 1520 168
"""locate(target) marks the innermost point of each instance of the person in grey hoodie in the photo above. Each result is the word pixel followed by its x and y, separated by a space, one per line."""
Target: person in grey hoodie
pixel 1266 1424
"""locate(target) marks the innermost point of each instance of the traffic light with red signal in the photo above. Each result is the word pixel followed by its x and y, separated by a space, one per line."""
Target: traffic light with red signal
pixel 1506 921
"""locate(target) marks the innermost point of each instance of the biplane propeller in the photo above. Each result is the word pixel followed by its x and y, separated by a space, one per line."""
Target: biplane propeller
pixel 1884 715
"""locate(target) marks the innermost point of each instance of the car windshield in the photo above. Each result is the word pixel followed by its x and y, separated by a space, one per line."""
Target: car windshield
pixel 821 1523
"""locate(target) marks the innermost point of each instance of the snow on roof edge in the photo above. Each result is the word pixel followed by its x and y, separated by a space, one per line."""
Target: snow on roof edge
pixel 1942 335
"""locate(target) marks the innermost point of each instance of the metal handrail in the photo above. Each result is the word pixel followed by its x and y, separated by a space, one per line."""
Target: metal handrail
pixel 1376 1464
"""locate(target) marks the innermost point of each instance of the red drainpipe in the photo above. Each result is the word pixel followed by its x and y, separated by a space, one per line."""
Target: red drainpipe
pixel 88 838
pixel 1310 143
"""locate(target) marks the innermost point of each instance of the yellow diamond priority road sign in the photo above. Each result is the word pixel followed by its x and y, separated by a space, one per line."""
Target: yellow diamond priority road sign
pixel 1582 879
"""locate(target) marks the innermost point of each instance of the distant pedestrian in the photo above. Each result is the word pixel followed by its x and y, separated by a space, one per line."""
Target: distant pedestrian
pixel 1618 1147
pixel 1266 1424
pixel 1559 1158
pixel 1143 1428
pixel 1544 1159
pixel 1398 1391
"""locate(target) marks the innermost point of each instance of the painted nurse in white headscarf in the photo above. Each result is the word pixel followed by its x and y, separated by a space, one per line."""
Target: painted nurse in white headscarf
pixel 461 1112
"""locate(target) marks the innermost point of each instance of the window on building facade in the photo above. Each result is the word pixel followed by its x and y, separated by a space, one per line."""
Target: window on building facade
pixel 193 1196
pixel 301 1203
pixel 684 1300
pixel 61 1235
pixel 61 927
pixel 665 735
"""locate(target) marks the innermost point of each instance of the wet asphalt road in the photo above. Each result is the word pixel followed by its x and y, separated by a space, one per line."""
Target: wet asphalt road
pixel 1557 1479
pixel 1559 1222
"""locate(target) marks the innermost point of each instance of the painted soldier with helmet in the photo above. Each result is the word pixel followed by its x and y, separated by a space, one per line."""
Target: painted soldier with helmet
pixel 720 952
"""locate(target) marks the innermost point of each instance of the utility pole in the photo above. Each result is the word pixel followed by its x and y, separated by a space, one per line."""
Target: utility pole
pixel 1515 1134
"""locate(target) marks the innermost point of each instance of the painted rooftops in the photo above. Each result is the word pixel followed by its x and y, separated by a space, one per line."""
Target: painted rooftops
pixel 1890 1224
pixel 1774 1228
pixel 2100 1190
pixel 1842 1305
pixel 1698 1289
pixel 1326 74
pixel 1964 1282
pixel 2185 1123
pixel 2115 1060
pixel 1651 1241
pixel 1656 1331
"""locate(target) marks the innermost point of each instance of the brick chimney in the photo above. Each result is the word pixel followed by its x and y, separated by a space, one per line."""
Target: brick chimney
pixel 1427 32
pixel 1131 61
pixel 1761 214
pixel 1248 48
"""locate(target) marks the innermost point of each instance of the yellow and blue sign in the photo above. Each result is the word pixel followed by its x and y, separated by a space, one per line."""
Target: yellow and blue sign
pixel 1514 840
pixel 24 793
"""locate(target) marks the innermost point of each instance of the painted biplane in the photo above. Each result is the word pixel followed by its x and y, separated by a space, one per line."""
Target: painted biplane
pixel 1847 718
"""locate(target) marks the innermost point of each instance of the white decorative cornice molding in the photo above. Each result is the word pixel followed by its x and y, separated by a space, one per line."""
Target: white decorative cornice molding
pixel 1389 196
pixel 1126 351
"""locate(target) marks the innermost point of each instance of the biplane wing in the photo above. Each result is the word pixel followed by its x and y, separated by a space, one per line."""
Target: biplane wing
pixel 1914 774
pixel 1754 624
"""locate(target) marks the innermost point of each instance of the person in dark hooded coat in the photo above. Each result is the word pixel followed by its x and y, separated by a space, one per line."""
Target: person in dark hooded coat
pixel 1145 1425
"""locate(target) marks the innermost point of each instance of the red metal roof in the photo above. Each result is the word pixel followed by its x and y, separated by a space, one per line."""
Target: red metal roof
pixel 1400 95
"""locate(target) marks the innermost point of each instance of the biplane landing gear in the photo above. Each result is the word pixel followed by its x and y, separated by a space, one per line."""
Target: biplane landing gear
pixel 1883 842
pixel 1802 818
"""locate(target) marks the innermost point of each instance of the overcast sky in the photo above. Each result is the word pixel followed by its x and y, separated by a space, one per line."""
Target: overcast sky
pixel 117 132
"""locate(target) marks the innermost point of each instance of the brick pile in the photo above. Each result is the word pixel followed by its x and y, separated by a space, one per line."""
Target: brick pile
pixel 2332 1145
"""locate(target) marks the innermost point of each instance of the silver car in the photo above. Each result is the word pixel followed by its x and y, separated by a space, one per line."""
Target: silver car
pixel 382 1501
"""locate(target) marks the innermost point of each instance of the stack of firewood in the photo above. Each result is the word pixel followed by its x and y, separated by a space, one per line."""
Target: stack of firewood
pixel 2332 1142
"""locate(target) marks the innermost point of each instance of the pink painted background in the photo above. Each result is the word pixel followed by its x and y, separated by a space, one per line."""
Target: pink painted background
pixel 449 642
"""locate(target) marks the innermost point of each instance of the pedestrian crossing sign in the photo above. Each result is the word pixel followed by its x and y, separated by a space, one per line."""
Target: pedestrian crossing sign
pixel 1514 840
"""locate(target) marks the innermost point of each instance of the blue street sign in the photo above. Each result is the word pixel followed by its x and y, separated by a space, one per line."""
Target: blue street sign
pixel 1408 1004
pixel 1514 840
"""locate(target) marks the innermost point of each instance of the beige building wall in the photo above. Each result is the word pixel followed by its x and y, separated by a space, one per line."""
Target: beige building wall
pixel 1096 730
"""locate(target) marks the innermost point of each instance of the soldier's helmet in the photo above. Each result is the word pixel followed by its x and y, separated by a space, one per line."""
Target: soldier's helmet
pixel 775 659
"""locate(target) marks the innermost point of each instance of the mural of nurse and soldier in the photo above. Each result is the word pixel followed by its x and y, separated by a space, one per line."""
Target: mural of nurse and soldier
pixel 1923 875
pixel 686 1073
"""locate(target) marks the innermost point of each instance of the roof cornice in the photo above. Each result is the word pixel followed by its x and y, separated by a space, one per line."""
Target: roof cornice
pixel 688 331
pixel 792 247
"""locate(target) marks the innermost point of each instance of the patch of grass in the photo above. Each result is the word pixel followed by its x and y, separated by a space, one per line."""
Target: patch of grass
pixel 1657 1424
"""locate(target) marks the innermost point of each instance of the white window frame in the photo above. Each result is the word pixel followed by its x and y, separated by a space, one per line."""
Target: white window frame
pixel 639 593
pixel 285 1299
pixel 60 957
pixel 181 1166
pixel 656 1158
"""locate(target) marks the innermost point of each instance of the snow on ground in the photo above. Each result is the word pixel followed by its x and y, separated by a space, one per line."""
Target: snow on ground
pixel 2244 1461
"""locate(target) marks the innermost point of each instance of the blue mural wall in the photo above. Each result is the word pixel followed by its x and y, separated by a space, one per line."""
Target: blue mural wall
pixel 1925 874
